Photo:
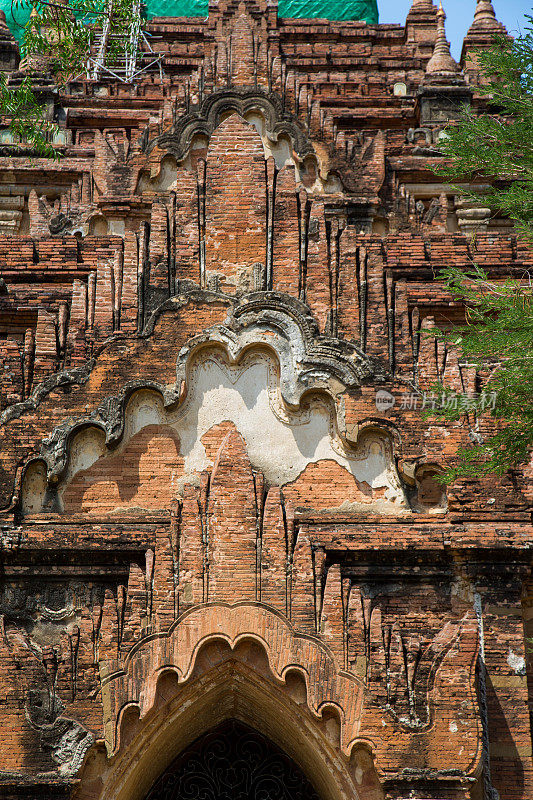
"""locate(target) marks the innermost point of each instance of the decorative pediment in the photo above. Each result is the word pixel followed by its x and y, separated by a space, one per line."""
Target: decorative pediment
pixel 305 138
pixel 139 450
pixel 220 104
pixel 292 360
pixel 176 650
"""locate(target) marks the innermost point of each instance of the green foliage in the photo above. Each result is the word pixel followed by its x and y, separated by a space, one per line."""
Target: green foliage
pixel 494 151
pixel 26 116
pixel 497 338
pixel 66 39
pixel 65 33
pixel 497 148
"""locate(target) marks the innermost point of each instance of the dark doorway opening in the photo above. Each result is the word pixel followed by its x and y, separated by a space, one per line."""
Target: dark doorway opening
pixel 232 762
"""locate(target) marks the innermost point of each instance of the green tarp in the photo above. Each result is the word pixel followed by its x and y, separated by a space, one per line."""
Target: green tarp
pixel 365 10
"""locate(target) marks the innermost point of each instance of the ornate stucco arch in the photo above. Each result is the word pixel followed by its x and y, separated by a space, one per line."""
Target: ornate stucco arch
pixel 229 678
pixel 266 327
pixel 286 649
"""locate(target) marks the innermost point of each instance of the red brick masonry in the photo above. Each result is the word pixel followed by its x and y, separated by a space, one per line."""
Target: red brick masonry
pixel 204 513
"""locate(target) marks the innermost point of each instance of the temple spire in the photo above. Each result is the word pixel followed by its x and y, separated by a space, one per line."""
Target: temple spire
pixel 480 35
pixel 442 61
pixel 443 91
pixel 485 17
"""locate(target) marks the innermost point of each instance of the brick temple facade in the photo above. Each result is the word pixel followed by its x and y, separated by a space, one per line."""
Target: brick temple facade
pixel 219 502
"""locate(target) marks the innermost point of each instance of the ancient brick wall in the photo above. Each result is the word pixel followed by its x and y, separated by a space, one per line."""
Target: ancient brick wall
pixel 206 512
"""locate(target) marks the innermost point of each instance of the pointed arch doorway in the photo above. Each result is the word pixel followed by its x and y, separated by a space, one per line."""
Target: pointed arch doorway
pixel 232 762
pixel 228 684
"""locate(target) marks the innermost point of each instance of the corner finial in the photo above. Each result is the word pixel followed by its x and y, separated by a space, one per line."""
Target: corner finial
pixel 35 19
pixel 441 61
pixel 6 37
pixel 485 16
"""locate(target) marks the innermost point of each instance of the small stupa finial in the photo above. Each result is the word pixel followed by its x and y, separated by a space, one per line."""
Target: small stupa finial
pixel 35 18
pixel 442 60
pixel 484 14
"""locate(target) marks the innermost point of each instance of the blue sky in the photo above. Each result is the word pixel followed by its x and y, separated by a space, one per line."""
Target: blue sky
pixel 459 15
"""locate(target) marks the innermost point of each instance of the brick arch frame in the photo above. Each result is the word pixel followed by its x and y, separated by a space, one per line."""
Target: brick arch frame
pixel 134 679
pixel 204 120
pixel 177 707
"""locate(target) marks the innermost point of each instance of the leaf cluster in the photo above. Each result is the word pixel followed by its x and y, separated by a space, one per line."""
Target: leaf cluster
pixel 26 115
pixel 497 338
pixel 495 150
pixel 65 34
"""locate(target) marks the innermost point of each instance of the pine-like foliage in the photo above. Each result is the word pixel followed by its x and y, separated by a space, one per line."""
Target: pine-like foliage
pixel 497 338
pixel 495 148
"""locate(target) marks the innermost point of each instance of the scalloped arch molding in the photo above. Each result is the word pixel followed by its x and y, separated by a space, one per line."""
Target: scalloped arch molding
pixel 261 377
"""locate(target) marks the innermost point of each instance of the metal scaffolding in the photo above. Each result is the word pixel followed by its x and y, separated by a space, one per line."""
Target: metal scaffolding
pixel 134 55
